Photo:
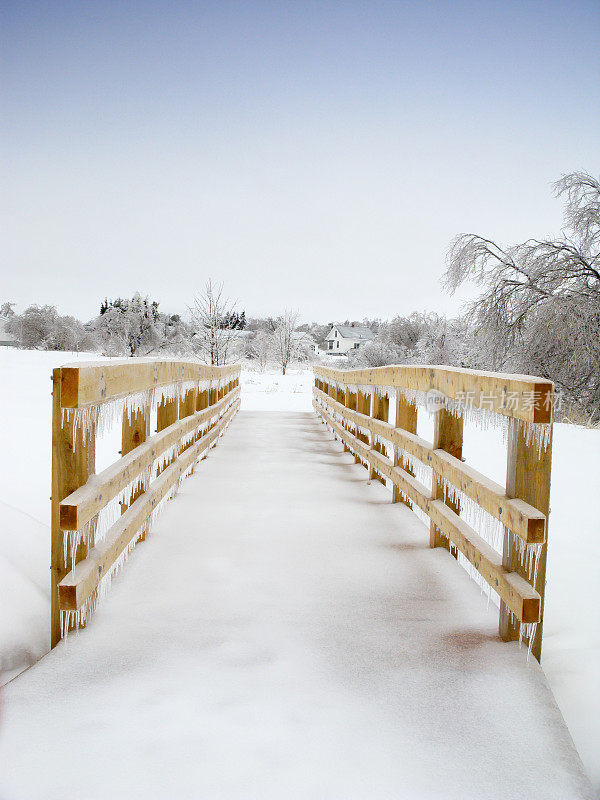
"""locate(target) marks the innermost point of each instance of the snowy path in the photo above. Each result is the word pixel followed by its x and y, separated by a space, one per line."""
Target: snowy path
pixel 286 632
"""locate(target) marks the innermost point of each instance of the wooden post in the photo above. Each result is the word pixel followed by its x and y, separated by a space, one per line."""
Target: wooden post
pixel 346 402
pixel 370 412
pixel 352 404
pixel 73 461
pixel 187 407
pixel 202 400
pixel 448 436
pixel 212 395
pixel 380 409
pixel 166 414
pixel 406 418
pixel 528 478
pixel 134 431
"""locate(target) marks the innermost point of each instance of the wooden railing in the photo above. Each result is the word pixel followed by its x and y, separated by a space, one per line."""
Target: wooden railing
pixel 500 531
pixel 98 518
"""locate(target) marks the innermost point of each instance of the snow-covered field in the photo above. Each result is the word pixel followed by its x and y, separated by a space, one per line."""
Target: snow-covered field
pixel 571 650
pixel 272 391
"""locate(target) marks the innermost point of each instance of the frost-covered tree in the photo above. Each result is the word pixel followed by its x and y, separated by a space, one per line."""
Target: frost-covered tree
pixel 211 321
pixel 262 348
pixel 129 326
pixel 444 341
pixel 376 353
pixel 404 333
pixel 6 310
pixel 319 332
pixel 176 335
pixel 539 310
pixel 420 338
pixel 284 342
pixel 233 320
pixel 43 328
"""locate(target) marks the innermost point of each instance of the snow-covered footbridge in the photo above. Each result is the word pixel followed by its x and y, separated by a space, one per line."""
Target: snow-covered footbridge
pixel 286 630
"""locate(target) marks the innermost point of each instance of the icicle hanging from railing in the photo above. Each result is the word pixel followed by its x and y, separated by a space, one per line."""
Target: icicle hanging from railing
pixel 99 418
pixel 185 387
pixel 482 418
pixel 487 526
pixel 387 448
pixel 164 459
pixel 95 530
pixel 422 472
pixel 484 586
pixel 74 620
pixel 166 394
pixel 527 630
pixel 529 555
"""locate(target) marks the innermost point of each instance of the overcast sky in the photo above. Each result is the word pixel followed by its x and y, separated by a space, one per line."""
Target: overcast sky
pixel 312 155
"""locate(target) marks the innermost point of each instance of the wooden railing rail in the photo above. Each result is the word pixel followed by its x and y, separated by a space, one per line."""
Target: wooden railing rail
pixel 374 414
pixel 98 518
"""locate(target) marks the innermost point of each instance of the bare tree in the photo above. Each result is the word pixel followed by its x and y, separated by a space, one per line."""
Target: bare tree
pixel 211 315
pixel 284 343
pixel 540 306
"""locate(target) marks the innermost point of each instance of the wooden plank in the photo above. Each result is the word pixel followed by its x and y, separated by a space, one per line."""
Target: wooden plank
pixel 78 585
pixel 524 397
pixel 522 518
pixel 86 384
pixel 81 505
pixel 72 463
pixel 527 478
pixel 523 600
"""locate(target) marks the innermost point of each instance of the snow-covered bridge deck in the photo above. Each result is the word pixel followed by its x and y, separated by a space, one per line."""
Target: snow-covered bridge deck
pixel 283 632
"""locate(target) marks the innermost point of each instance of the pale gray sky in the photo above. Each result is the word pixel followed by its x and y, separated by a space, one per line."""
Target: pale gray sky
pixel 313 155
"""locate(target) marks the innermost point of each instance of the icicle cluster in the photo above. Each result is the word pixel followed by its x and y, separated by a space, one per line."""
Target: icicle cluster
pixel 529 555
pixel 422 472
pixel 484 586
pixel 527 630
pixel 99 418
pixel 487 526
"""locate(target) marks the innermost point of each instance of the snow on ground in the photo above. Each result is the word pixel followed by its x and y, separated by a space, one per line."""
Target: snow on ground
pixel 272 391
pixel 571 648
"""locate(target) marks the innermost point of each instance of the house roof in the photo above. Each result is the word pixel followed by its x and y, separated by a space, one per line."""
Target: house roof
pixel 354 332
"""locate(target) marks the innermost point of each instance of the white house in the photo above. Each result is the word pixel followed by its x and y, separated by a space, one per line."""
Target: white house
pixel 343 338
